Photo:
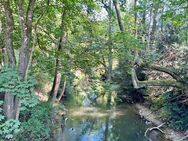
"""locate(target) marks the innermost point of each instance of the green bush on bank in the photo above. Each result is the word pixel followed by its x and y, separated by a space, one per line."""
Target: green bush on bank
pixel 172 111
pixel 35 117
pixel 178 112
pixel 38 127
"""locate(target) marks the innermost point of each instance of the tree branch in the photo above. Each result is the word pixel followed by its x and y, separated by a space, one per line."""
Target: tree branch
pixel 21 15
pixel 171 72
pixel 139 84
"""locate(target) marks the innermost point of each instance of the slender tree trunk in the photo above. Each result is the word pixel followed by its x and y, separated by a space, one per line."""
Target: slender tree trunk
pixel 110 61
pixel 149 32
pixel 152 29
pixel 154 24
pixel 58 75
pixel 63 91
pixel 109 77
pixel 143 22
pixel 135 17
pixel 121 25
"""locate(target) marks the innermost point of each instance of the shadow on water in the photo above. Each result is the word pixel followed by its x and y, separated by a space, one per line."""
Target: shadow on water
pixel 95 124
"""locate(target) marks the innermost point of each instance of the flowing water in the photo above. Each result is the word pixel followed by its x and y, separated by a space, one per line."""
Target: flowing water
pixel 120 123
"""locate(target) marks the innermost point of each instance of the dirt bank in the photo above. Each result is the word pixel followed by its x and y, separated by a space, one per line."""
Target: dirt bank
pixel 155 119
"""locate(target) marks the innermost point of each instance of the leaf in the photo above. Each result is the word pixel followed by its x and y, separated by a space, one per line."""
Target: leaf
pixel 9 136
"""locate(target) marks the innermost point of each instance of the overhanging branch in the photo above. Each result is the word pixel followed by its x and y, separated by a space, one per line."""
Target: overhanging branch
pixel 139 84
pixel 170 71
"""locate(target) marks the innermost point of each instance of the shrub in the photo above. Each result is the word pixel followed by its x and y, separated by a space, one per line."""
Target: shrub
pixel 38 126
pixel 175 112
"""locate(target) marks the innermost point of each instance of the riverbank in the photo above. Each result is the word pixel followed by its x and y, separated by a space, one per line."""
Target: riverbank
pixel 153 117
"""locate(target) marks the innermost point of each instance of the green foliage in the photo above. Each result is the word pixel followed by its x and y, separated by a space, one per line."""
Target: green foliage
pixel 10 82
pixel 172 111
pixel 39 125
pixel 157 104
pixel 9 128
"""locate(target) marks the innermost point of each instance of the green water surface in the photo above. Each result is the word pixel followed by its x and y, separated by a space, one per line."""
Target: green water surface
pixel 120 123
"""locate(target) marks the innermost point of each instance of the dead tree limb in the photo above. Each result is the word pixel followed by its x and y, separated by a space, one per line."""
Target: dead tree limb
pixel 139 84
pixel 154 128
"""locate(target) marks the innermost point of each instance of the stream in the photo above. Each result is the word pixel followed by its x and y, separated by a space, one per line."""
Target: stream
pixel 120 123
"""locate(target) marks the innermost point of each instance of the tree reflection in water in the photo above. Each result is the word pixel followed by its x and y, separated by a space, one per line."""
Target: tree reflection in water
pixel 117 124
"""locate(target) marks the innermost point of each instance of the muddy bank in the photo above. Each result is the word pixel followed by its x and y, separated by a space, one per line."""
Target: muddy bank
pixel 153 117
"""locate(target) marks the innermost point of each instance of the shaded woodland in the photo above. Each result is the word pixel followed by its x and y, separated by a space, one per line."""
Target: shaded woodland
pixel 119 51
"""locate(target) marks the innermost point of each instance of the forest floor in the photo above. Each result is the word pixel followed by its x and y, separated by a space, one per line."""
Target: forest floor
pixel 153 117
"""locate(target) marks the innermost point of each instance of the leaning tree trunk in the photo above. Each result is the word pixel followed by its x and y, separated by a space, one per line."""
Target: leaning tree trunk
pixel 57 77
pixel 62 42
pixel 120 22
pixel 63 91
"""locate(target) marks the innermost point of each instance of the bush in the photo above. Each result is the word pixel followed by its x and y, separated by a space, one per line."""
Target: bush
pixel 174 112
pixel 9 128
pixel 38 126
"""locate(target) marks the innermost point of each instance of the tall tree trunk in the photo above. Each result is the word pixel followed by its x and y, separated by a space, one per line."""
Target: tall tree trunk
pixel 9 34
pixel 109 77
pixel 62 43
pixel 153 25
pixel 110 61
pixel 25 50
pixel 9 98
pixel 57 76
pixel 26 28
pixel 108 69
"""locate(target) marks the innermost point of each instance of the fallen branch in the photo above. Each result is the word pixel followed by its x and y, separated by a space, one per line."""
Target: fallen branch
pixel 154 128
pixel 139 84
pixel 171 71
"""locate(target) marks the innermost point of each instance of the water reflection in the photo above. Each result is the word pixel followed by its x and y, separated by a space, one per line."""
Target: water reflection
pixel 95 124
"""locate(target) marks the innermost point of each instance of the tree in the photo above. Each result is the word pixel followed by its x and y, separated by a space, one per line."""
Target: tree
pixel 12 103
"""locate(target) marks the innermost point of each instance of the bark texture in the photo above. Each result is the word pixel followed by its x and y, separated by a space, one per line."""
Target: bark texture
pixel 26 29
pixel 9 109
pixel 62 43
